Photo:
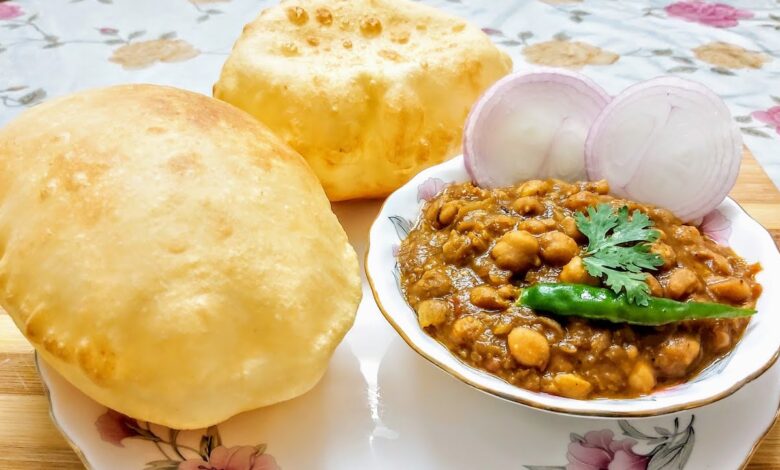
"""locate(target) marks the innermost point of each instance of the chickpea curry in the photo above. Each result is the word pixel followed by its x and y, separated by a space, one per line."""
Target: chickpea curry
pixel 476 254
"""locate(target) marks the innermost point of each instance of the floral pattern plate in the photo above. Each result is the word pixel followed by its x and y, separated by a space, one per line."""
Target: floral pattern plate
pixel 381 406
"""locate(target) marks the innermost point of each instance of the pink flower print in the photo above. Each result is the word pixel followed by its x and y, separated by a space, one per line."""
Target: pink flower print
pixel 114 427
pixel 429 189
pixel 233 458
pixel 10 10
pixel 492 32
pixel 718 15
pixel 600 451
pixel 716 226
pixel 771 116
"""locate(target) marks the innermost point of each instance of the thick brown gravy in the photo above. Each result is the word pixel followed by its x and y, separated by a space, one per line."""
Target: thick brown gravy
pixel 464 263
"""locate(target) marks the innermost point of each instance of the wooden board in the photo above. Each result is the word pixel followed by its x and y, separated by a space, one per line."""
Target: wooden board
pixel 28 440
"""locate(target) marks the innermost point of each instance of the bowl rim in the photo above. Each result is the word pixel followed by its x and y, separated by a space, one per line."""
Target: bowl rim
pixel 530 402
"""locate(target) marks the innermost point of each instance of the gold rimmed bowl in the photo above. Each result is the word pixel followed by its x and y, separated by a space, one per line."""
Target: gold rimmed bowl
pixel 753 355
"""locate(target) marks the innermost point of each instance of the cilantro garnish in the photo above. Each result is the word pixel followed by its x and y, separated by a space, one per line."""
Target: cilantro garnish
pixel 619 249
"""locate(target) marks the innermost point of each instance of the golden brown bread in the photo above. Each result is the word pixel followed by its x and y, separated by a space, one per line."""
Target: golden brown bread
pixel 370 92
pixel 169 255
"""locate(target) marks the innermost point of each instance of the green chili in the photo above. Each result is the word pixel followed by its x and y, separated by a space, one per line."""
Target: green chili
pixel 603 304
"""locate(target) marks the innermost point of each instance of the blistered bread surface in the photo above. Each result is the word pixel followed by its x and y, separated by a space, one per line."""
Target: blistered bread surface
pixel 169 255
pixel 370 92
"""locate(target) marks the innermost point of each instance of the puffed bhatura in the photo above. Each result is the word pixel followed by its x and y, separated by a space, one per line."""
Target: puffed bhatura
pixel 370 92
pixel 168 255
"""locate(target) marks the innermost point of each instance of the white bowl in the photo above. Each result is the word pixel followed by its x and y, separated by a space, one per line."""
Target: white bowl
pixel 755 353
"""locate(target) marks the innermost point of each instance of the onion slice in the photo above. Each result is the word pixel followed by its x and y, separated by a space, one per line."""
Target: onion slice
pixel 531 125
pixel 669 142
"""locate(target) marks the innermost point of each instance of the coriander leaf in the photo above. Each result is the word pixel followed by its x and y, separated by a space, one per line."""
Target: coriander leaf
pixel 633 283
pixel 619 250
pixel 635 229
pixel 599 222
pixel 635 258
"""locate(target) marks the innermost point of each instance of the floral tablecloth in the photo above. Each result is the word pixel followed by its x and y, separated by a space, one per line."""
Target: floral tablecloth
pixel 52 47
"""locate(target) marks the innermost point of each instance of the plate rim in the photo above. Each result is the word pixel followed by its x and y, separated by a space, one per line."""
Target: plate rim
pixel 53 417
pixel 82 455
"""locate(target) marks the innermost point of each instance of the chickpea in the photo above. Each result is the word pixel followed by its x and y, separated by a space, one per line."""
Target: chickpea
pixel 529 347
pixel 457 249
pixel 559 363
pixel 720 337
pixel 642 377
pixel 572 386
pixel 600 341
pixel 719 264
pixel 581 201
pixel 498 276
pixel 434 283
pixel 516 251
pixel 488 298
pixel 731 289
pixel 528 205
pixel 574 272
pixel 469 225
pixel 507 291
pixel 665 216
pixel 466 329
pixel 448 213
pixel 534 226
pixel 503 327
pixel 682 282
pixel 716 262
pixel 551 325
pixel 677 354
pixel 432 210
pixel 501 194
pixel 569 227
pixel 534 188
pixel 666 253
pixel 432 312
pixel 687 234
pixel 598 187
pixel 567 348
pixel 500 223
pixel 482 267
pixel 492 364
pixel 479 241
pixel 614 352
pixel 655 286
pixel 465 208
pixel 558 248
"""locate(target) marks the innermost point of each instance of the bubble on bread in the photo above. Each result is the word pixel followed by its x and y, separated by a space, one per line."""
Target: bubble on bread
pixel 170 256
pixel 370 92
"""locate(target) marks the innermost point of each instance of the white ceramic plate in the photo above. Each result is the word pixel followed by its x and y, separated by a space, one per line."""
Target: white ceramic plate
pixel 381 406
pixel 755 353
